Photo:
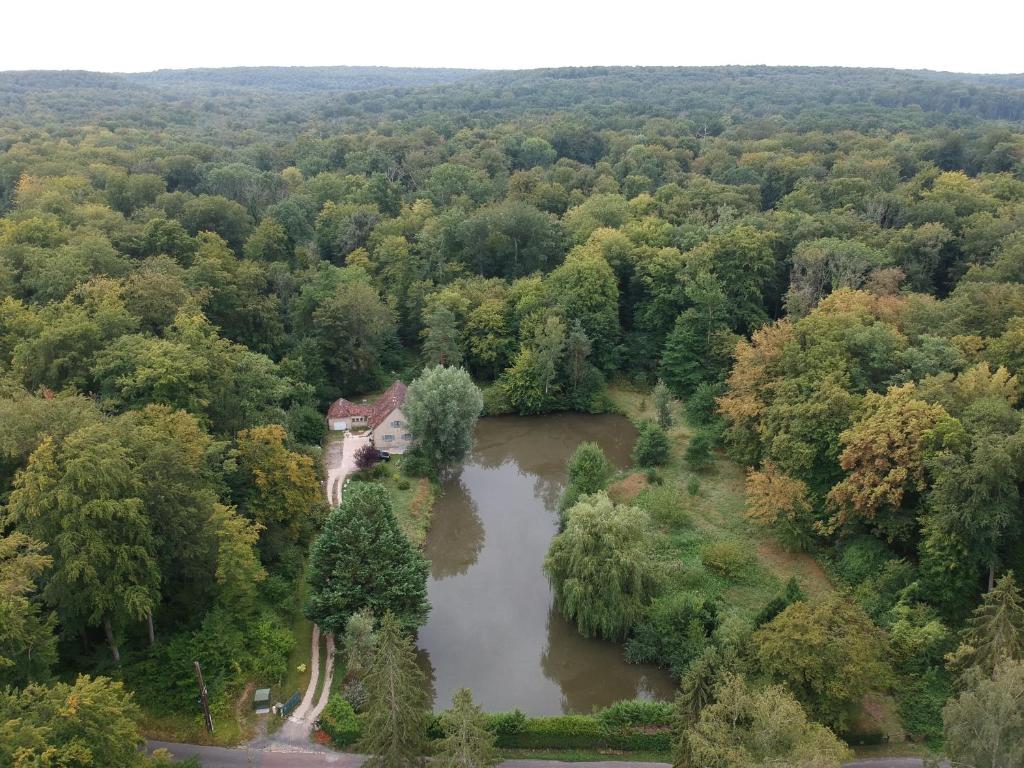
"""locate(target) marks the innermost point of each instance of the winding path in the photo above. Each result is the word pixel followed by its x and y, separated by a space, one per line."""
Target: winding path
pixel 339 463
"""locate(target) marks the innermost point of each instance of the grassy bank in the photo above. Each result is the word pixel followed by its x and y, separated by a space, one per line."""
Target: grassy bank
pixel 701 516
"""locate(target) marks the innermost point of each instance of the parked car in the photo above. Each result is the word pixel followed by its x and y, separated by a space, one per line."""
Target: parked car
pixel 384 455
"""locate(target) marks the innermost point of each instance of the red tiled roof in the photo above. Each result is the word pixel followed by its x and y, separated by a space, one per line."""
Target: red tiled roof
pixel 374 412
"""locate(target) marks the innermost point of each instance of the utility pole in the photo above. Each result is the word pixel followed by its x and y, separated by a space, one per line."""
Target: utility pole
pixel 203 698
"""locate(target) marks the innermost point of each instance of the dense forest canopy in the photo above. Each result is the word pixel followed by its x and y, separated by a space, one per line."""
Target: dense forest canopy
pixel 827 265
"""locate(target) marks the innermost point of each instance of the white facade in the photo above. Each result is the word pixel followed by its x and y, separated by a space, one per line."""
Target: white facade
pixel 392 434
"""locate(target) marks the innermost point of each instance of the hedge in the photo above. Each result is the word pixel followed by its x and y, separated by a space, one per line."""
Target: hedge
pixel 636 726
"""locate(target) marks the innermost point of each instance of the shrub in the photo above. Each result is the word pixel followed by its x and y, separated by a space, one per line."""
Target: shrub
pixel 416 465
pixel 305 424
pixel 339 721
pixel 728 557
pixel 664 505
pixel 701 408
pixel 654 476
pixel 403 484
pixel 673 631
pixel 589 468
pixel 636 712
pixel 652 445
pixel 920 699
pixel 564 732
pixel 693 486
pixel 862 557
pixel 366 457
pixel 507 723
pixel 698 451
pixel 496 402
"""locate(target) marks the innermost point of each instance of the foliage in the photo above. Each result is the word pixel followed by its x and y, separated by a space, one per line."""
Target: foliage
pixel 366 457
pixel 828 652
pixel 28 647
pixel 361 560
pixel 662 404
pixel 745 727
pixel 673 631
pixel 984 725
pixel 995 631
pixel 339 721
pixel 89 722
pixel 728 557
pixel 442 407
pixel 395 721
pixel 600 567
pixel 467 741
pixel 698 451
pixel 652 446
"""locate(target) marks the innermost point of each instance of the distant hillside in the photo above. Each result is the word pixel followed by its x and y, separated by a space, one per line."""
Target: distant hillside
pixel 302 79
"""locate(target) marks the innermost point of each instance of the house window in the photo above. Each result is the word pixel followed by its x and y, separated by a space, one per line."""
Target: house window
pixel 396 423
pixel 388 438
pixel 407 436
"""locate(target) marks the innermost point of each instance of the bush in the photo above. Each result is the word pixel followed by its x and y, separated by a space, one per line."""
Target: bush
pixel 507 723
pixel 664 505
pixel 589 468
pixel 693 486
pixel 673 631
pixel 920 699
pixel 728 557
pixel 496 402
pixel 652 445
pixel 366 457
pixel 654 476
pixel 862 557
pixel 701 408
pixel 636 712
pixel 403 484
pixel 416 465
pixel 339 721
pixel 698 451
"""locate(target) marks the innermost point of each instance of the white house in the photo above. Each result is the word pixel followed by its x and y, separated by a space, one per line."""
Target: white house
pixel 383 417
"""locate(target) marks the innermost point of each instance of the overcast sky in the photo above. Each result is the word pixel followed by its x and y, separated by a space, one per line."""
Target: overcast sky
pixel 136 35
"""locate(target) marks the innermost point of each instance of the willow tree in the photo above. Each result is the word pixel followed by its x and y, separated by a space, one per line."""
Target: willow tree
pixel 601 568
pixel 442 407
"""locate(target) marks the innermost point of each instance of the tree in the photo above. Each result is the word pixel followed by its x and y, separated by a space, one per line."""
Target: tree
pixel 84 499
pixel 749 728
pixel 395 720
pixel 441 343
pixel 600 567
pixel 91 722
pixel 468 742
pixel 984 725
pixel 652 445
pixel 361 560
pixel 995 631
pixel 588 472
pixel 662 404
pixel 28 647
pixel 277 488
pixel 442 407
pixel 884 455
pixel 781 503
pixel 828 652
pixel 585 289
pixel 698 451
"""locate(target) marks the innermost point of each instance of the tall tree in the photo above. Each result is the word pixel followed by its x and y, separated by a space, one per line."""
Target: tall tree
pixel 442 407
pixel 396 713
pixel 984 725
pixel 28 647
pixel 995 632
pixel 361 560
pixel 468 742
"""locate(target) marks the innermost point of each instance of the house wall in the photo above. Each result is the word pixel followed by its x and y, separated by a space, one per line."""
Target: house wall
pixel 388 437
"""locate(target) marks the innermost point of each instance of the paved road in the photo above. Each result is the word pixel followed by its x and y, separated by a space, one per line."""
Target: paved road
pixel 313 757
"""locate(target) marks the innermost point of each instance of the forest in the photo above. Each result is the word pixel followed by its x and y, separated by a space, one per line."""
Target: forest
pixel 823 266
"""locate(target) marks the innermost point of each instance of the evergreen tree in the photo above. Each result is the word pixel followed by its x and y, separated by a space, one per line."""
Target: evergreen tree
pixel 995 632
pixel 652 445
pixel 441 343
pixel 467 742
pixel 663 404
pixel 395 720
pixel 362 560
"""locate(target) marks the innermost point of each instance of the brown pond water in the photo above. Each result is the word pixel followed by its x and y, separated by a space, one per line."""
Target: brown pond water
pixel 493 627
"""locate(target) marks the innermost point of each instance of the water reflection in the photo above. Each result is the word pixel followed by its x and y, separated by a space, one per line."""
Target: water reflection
pixel 457 536
pixel 492 626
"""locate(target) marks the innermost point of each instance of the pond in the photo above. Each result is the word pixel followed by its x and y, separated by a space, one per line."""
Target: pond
pixel 493 627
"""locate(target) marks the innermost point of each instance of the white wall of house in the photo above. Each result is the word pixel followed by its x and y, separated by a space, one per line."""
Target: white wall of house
pixel 339 424
pixel 393 433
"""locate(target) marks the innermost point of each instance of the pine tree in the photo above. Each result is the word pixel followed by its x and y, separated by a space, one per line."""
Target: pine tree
pixel 468 742
pixel 662 404
pixel 395 720
pixel 995 632
pixel 362 560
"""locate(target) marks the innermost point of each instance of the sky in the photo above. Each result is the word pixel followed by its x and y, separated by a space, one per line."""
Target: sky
pixel 136 35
